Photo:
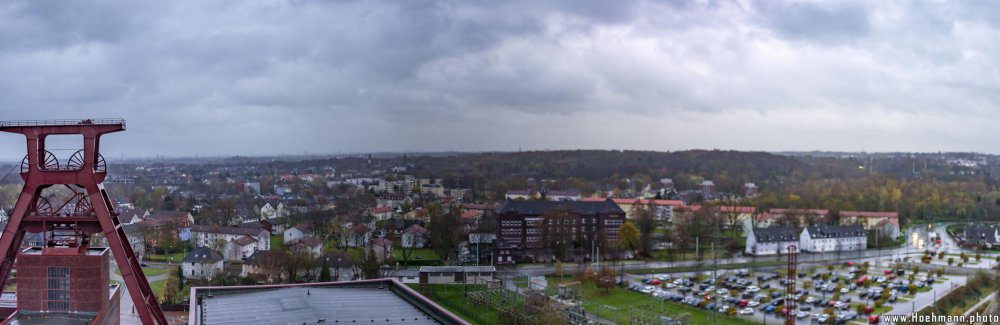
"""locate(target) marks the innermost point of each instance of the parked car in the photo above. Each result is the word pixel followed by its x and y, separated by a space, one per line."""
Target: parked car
pixel 746 311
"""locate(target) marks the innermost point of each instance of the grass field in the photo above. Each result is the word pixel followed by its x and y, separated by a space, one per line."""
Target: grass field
pixel 149 271
pixel 419 255
pixel 624 300
pixel 277 242
pixel 451 297
pixel 172 258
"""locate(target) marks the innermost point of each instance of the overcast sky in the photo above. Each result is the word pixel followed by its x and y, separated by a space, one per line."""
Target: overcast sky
pixel 270 77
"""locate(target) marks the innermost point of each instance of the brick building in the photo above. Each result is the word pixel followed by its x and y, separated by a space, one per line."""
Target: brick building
pixel 523 225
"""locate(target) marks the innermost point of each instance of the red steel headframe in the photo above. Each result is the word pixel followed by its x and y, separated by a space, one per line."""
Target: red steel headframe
pixel 40 170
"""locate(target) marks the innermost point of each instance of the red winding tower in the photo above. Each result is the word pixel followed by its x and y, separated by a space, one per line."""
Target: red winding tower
pixel 68 225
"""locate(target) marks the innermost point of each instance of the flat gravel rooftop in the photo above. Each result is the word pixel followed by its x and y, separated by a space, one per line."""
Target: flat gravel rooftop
pixel 311 305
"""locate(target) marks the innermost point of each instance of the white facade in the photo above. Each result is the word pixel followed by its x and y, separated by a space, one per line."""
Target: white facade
pixel 293 234
pixel 812 241
pixel 773 244
pixel 207 237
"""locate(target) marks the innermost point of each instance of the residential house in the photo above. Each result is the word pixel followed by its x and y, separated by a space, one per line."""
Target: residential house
pixel 820 239
pixel 383 213
pixel 982 235
pixel 356 234
pixel 770 241
pixel 202 263
pixel 250 240
pixel 796 218
pixel 663 209
pixel 298 232
pixel 382 248
pixel 881 221
pixel 177 221
pixel 308 243
pixel 415 237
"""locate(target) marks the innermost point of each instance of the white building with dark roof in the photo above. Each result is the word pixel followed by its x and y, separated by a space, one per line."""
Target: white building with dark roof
pixel 821 239
pixel 770 241
pixel 202 263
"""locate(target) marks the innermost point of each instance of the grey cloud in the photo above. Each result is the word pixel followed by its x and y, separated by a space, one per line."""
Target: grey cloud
pixel 328 76
pixel 834 21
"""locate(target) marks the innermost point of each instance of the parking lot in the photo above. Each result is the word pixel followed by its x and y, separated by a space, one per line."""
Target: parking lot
pixel 837 294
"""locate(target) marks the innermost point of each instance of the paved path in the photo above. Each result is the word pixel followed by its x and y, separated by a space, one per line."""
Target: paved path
pixel 127 308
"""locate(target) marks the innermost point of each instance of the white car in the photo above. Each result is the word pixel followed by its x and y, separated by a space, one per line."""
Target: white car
pixel 753 289
pixel 678 282
pixel 844 290
pixel 801 314
pixel 724 309
pixel 810 299
pixel 822 318
pixel 753 303
pixel 722 292
pixel 670 286
pixel 746 311
pixel 839 304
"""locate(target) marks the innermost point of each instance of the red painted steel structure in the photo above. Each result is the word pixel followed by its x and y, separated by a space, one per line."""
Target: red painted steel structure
pixel 790 286
pixel 89 211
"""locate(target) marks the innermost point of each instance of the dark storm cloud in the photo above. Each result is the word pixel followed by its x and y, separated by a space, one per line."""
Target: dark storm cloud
pixel 264 77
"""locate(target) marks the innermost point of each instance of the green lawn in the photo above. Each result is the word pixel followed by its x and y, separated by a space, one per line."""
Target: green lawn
pixel 149 271
pixel 418 255
pixel 623 299
pixel 450 297
pixel 157 287
pixel 172 258
pixel 277 242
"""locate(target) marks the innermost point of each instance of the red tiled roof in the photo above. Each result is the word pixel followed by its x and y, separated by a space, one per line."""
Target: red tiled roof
pixel 869 214
pixel 821 212
pixel 303 227
pixel 416 228
pixel 310 241
pixel 245 240
pixel 471 214
pixel 382 242
pixel 476 206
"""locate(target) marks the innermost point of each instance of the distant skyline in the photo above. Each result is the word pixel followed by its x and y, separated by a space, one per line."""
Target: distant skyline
pixel 261 78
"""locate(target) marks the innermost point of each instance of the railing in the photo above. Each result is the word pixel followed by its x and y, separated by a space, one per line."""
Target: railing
pixel 97 121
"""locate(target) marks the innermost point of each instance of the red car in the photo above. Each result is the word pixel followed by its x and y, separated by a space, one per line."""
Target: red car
pixel 655 282
pixel 850 263
pixel 886 271
pixel 868 311
pixel 873 319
